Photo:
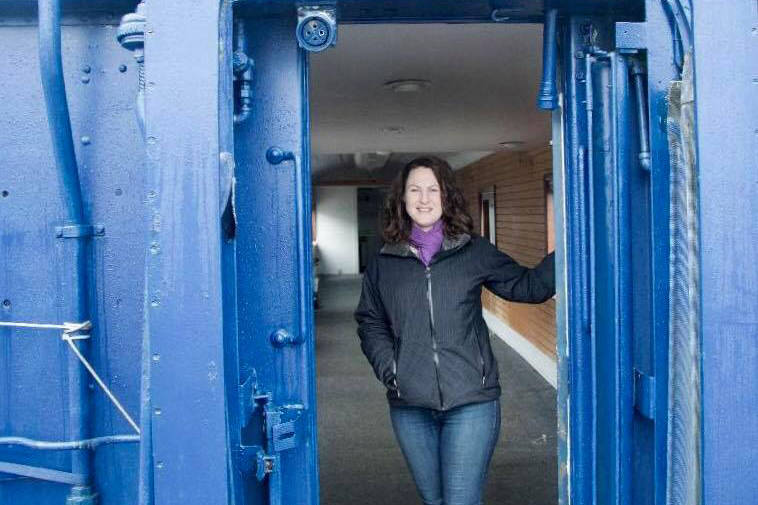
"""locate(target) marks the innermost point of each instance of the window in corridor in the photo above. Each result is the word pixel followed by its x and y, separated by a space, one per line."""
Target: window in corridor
pixel 549 215
pixel 487 214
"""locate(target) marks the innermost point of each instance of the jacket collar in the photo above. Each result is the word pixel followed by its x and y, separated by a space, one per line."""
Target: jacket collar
pixel 404 249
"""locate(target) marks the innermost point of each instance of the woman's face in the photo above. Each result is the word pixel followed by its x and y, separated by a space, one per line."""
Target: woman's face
pixel 423 198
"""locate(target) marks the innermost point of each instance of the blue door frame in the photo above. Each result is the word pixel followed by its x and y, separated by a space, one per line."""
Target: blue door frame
pixel 192 244
pixel 614 360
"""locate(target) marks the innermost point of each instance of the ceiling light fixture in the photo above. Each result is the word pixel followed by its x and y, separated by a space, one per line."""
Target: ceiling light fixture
pixel 407 85
pixel 393 129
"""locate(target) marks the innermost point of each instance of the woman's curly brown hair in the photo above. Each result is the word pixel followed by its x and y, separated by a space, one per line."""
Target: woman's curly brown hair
pixel 455 216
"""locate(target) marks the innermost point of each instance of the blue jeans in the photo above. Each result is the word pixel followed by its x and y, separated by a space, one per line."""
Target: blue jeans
pixel 448 452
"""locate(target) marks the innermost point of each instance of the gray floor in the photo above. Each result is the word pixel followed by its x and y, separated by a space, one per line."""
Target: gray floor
pixel 360 463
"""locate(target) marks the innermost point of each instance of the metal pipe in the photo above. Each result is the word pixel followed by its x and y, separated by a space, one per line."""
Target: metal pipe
pixel 638 74
pixel 59 121
pixel 682 23
pixel 548 95
pixel 589 232
pixel 591 290
pixel 89 443
pixel 243 72
pixel 622 255
pixel 51 69
pixel 581 220
pixel 41 473
pixel 681 30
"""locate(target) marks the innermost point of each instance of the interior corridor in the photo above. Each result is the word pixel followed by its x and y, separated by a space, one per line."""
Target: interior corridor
pixel 360 462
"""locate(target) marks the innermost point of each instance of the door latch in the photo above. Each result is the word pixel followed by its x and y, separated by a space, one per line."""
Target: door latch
pixel 280 426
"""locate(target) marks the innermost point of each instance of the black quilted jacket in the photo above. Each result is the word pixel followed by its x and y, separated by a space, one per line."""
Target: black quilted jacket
pixel 421 327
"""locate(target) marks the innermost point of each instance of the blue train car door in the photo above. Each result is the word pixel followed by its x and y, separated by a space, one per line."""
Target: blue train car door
pixel 228 293
pixel 619 78
pixel 272 265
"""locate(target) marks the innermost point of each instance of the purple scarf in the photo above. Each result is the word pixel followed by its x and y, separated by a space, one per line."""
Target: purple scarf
pixel 427 242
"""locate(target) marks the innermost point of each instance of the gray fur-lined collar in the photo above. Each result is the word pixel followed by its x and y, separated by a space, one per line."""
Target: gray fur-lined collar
pixel 405 249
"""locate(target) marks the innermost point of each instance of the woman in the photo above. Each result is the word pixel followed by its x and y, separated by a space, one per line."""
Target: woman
pixel 421 327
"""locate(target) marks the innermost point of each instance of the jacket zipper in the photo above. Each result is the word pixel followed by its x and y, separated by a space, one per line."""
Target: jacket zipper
pixel 481 355
pixel 435 355
pixel 394 366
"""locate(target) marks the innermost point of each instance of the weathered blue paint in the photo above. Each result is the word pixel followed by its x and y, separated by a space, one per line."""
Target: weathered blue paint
pixel 655 49
pixel 579 374
pixel 76 255
pixel 274 254
pixel 191 456
pixel 618 260
pixel 726 85
pixel 35 268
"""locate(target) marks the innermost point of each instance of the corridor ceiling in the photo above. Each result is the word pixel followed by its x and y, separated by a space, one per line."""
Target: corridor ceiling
pixel 483 81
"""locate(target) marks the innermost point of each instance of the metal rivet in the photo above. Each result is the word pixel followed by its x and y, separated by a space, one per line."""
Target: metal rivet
pixel 7 303
pixel 156 357
pixel 151 140
pixel 86 140
pixel 159 464
pixel 122 68
pixel 155 248
pixel 155 302
pixel 157 411
pixel 5 193
pixel 151 194
pixel 118 192
pixel 86 69
pixel 85 79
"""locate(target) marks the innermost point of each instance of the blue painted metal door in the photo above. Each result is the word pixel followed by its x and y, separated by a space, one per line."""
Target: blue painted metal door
pixel 272 268
pixel 617 208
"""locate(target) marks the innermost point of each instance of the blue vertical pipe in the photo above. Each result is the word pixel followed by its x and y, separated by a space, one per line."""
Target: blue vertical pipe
pixel 622 156
pixel 590 301
pixel 548 96
pixel 51 71
pixel 306 273
pixel 638 73
pixel 581 393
